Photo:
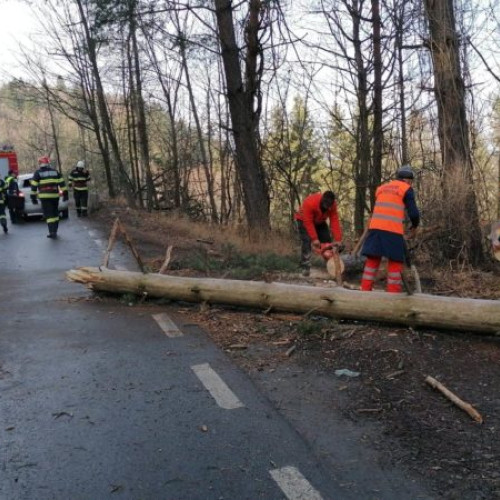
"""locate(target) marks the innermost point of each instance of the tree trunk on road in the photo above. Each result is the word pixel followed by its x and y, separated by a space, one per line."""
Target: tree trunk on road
pixel 415 310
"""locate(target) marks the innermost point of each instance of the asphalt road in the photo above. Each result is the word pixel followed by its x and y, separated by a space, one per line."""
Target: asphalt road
pixel 101 400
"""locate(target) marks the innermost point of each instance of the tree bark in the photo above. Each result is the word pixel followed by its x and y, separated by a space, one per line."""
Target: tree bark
pixel 415 310
pixel 107 126
pixel 378 131
pixel 206 164
pixel 142 126
pixel 241 97
pixel 362 162
pixel 458 189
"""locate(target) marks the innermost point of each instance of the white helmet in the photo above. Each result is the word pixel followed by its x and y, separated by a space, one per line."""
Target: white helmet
pixel 80 164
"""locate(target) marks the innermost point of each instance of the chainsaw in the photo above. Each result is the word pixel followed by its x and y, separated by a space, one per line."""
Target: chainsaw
pixel 334 264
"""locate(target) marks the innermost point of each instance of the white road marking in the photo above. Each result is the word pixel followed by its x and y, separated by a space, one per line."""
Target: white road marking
pixel 294 485
pixel 167 325
pixel 223 396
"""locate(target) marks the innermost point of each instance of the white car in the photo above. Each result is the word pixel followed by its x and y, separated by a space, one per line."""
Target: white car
pixel 30 209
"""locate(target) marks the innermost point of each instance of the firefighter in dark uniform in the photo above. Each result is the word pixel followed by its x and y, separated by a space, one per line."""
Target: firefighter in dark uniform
pixel 46 183
pixel 78 180
pixel 13 195
pixel 3 201
pixel 386 230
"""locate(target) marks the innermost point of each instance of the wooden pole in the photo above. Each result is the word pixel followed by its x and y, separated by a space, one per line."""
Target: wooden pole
pixel 111 241
pixel 135 253
pixel 165 264
pixel 432 311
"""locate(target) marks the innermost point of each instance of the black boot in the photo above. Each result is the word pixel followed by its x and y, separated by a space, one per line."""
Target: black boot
pixel 5 230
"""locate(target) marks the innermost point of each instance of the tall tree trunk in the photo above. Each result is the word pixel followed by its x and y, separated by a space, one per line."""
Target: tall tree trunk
pixel 459 198
pixel 171 100
pixel 242 98
pixel 87 87
pixel 128 96
pixel 53 127
pixel 214 213
pixel 362 162
pixel 378 138
pixel 101 100
pixel 142 127
pixel 399 22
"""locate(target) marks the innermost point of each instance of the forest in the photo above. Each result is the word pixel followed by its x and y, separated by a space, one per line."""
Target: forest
pixel 233 112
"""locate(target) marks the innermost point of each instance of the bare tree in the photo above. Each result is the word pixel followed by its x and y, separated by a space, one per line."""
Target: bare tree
pixel 243 95
pixel 458 188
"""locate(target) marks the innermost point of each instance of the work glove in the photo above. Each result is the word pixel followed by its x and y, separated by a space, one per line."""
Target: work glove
pixel 316 245
pixel 65 195
pixel 34 200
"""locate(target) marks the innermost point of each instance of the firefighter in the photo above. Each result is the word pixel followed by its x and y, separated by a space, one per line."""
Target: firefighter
pixel 13 194
pixel 385 236
pixel 3 201
pixel 313 229
pixel 46 183
pixel 78 180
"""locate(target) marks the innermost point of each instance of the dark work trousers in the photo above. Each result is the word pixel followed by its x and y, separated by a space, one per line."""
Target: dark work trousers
pixel 81 202
pixel 50 209
pixel 3 217
pixel 11 203
pixel 324 236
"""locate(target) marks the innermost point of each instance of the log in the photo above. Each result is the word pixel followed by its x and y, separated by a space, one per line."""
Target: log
pixel 425 310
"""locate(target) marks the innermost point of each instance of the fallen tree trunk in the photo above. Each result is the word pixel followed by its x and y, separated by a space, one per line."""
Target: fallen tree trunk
pixel 431 311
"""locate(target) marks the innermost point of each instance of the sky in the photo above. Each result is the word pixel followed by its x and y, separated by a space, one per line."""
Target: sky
pixel 17 22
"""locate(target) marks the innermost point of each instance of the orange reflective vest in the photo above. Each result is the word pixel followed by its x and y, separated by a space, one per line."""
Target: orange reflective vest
pixel 389 211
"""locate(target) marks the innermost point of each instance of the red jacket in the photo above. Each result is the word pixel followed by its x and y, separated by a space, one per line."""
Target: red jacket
pixel 310 214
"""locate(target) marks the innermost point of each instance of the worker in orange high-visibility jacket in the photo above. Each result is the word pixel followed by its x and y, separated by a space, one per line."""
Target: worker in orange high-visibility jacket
pixel 386 230
pixel 313 229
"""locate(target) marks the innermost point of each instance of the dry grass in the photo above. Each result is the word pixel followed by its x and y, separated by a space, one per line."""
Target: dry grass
pixel 165 228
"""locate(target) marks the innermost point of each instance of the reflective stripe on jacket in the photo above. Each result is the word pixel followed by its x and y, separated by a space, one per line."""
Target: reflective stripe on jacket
pixel 389 211
pixel 47 182
pixel 78 179
pixel 12 185
pixel 3 191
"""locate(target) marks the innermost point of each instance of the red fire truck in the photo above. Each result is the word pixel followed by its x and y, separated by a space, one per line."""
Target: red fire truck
pixel 8 160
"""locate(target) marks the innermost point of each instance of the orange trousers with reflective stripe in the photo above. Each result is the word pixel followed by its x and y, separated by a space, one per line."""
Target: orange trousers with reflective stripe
pixel 394 269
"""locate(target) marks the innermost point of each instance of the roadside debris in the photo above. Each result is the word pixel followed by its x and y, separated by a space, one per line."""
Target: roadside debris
pixel 347 373
pixel 467 407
